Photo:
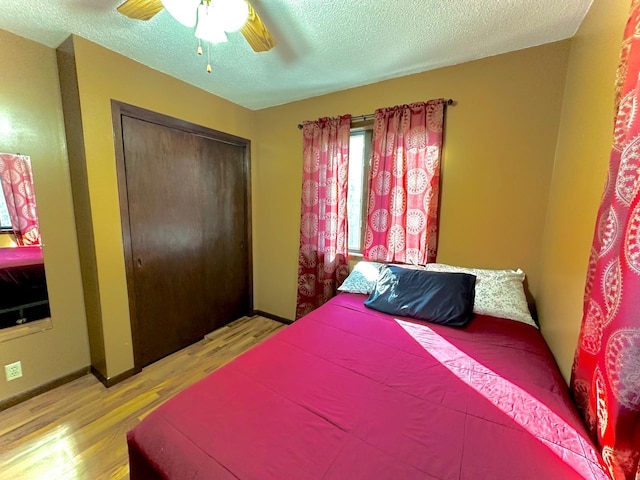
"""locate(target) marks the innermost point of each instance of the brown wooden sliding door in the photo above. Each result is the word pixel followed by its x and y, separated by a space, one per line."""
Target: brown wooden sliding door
pixel 188 244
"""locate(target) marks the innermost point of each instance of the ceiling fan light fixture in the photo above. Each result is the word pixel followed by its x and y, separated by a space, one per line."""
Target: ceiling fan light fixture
pixel 233 13
pixel 184 11
pixel 209 27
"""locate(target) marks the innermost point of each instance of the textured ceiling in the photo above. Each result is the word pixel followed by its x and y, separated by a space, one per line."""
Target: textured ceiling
pixel 323 45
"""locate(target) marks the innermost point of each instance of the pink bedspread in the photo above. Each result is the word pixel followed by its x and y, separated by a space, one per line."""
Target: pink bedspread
pixel 20 256
pixel 21 266
pixel 350 393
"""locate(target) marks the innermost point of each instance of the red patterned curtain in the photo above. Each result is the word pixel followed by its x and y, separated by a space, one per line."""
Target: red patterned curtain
pixel 322 263
pixel 402 218
pixel 605 379
pixel 17 186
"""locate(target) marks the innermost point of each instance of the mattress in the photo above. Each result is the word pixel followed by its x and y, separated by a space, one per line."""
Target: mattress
pixel 21 266
pixel 351 393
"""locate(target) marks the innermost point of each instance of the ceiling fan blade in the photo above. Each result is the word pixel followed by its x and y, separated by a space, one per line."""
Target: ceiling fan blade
pixel 256 33
pixel 140 9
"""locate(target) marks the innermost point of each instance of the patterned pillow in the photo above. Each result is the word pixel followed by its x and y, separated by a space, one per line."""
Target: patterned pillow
pixel 362 278
pixel 499 293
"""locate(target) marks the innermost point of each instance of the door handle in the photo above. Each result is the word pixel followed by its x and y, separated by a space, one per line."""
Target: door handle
pixel 139 262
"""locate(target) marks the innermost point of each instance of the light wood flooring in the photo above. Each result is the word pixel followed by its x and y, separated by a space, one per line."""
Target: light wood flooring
pixel 77 431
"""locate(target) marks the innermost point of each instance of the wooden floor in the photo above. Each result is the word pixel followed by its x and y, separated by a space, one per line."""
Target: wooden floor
pixel 77 431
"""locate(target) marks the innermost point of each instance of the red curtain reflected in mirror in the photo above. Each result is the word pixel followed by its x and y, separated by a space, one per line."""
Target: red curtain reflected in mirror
pixel 17 187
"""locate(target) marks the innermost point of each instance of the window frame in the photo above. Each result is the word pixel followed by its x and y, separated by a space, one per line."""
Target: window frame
pixel 5 228
pixel 364 128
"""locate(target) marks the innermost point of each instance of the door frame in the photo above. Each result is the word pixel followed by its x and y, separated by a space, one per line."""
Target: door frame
pixel 120 109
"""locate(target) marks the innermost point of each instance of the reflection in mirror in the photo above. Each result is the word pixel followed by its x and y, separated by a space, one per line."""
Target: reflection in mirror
pixel 23 288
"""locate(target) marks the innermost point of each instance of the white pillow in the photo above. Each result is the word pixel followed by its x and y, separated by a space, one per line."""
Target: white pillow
pixel 499 293
pixel 362 278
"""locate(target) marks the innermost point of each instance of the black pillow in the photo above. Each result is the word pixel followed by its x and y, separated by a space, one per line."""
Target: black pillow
pixel 438 297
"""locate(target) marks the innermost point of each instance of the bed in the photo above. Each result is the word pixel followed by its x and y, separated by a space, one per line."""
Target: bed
pixel 23 287
pixel 351 393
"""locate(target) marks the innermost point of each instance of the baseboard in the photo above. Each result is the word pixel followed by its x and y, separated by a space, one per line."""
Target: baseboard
pixel 111 381
pixel 277 318
pixel 34 392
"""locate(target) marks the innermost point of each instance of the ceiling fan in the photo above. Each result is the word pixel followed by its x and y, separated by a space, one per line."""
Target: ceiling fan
pixel 190 12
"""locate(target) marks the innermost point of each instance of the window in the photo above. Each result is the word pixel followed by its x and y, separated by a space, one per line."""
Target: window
pixel 358 194
pixel 5 220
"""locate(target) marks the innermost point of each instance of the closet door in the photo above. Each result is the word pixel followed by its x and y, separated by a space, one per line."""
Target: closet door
pixel 188 231
pixel 226 251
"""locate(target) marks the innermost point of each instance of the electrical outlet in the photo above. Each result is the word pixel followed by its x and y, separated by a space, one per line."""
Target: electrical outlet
pixel 13 371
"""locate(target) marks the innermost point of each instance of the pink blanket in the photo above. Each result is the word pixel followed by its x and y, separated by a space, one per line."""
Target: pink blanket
pixel 350 393
pixel 21 266
pixel 20 256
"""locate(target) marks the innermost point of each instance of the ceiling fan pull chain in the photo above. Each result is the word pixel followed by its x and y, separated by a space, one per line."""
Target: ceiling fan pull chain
pixel 208 58
pixel 199 51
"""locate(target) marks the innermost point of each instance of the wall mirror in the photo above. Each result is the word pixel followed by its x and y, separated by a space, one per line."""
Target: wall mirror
pixel 23 287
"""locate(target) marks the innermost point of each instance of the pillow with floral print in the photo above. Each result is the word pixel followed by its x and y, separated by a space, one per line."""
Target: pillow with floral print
pixel 499 293
pixel 362 278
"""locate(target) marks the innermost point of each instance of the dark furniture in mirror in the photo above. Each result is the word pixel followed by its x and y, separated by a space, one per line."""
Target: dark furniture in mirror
pixel 23 287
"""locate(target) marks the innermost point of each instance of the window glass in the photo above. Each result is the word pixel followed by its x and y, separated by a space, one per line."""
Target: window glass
pixel 359 147
pixel 5 220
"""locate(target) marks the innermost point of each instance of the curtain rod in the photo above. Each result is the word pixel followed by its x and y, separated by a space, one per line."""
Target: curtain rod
pixel 449 101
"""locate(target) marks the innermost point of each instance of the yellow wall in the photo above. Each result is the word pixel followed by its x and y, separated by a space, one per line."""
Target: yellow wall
pixel 104 75
pixel 584 142
pixel 30 105
pixel 497 163
pixel 7 239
